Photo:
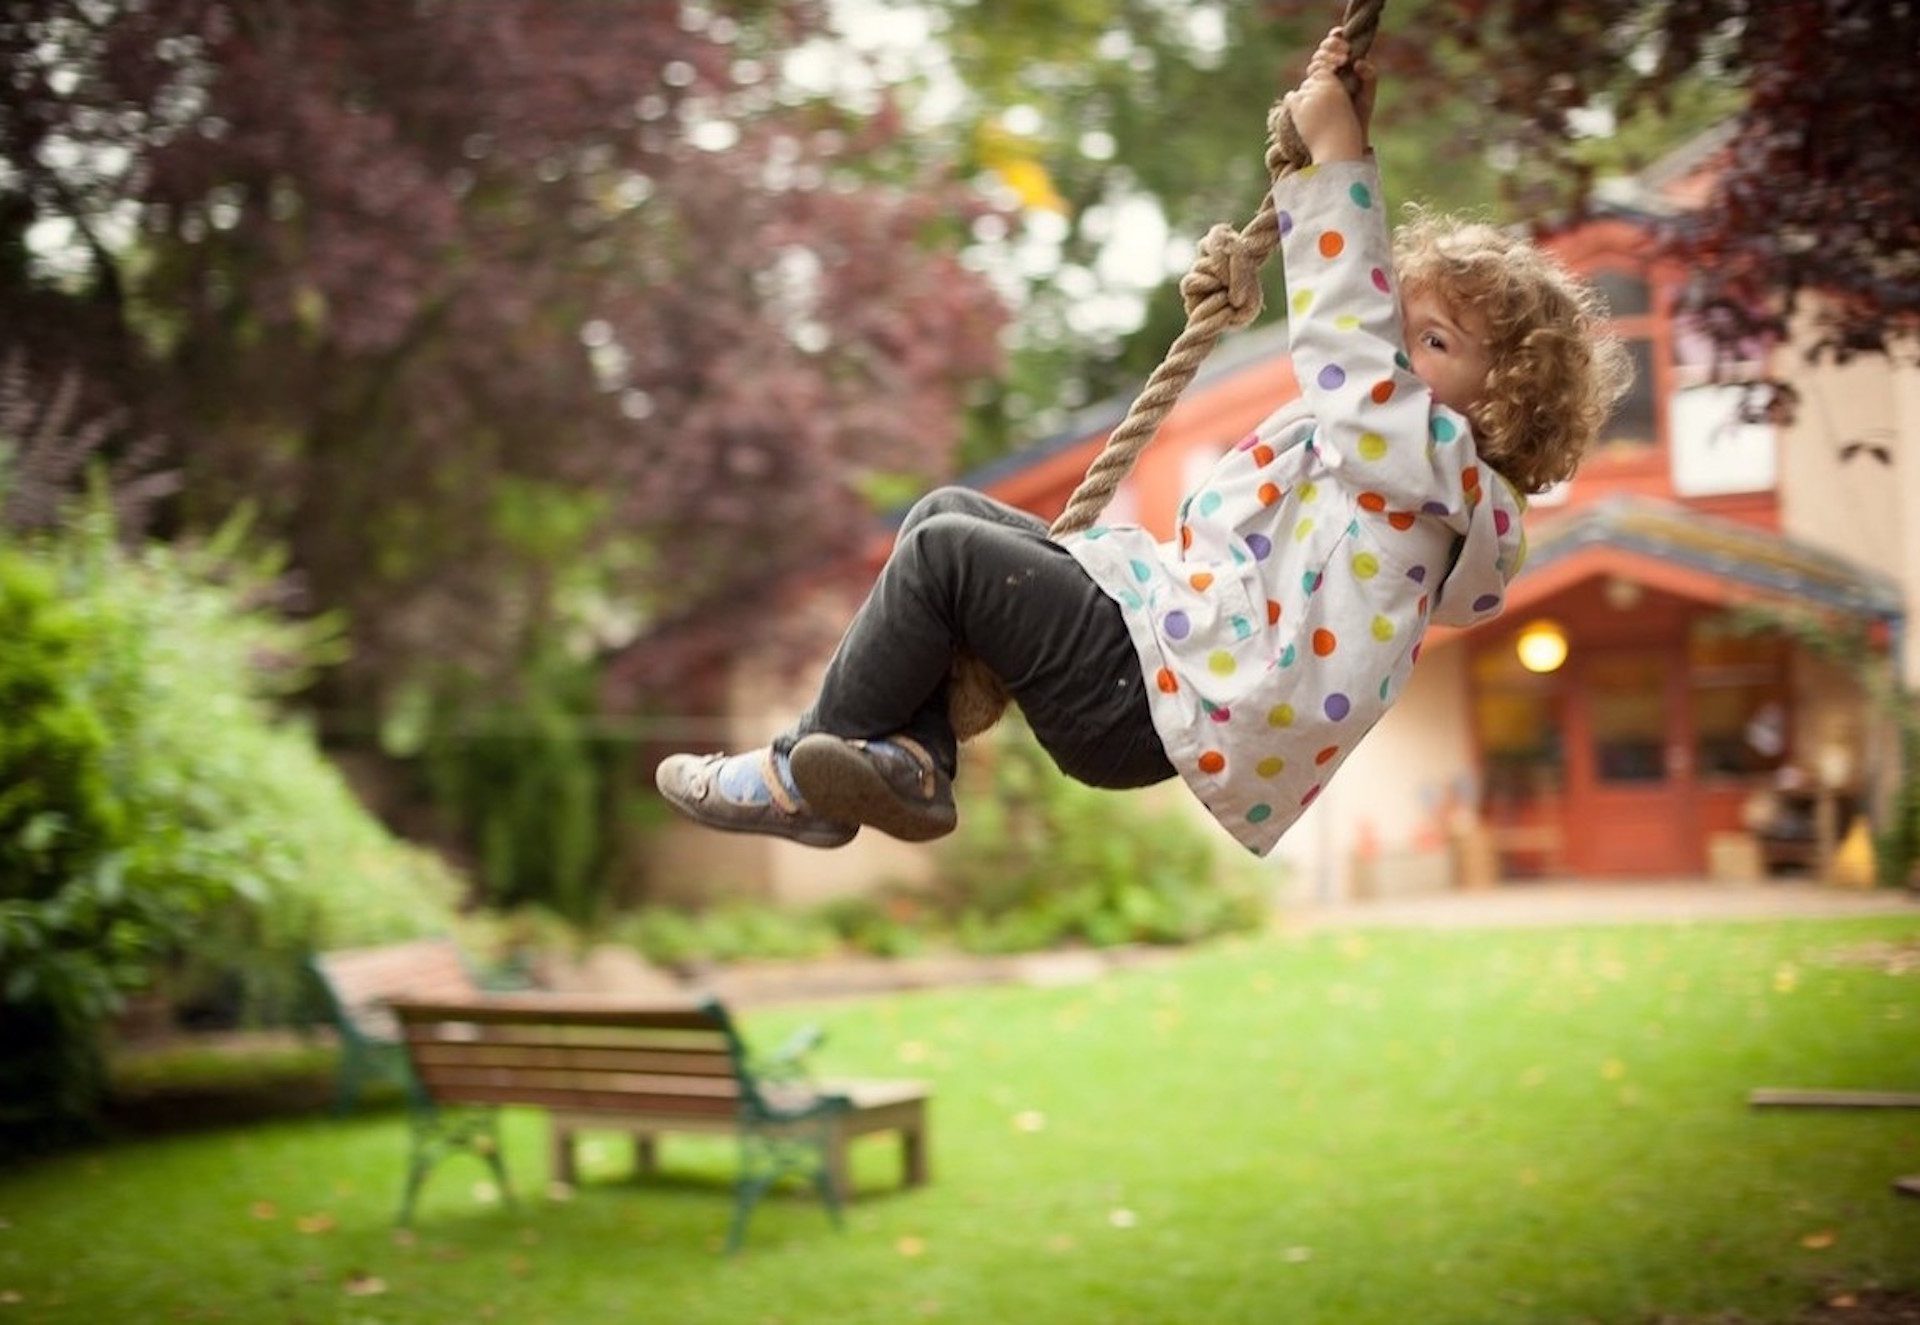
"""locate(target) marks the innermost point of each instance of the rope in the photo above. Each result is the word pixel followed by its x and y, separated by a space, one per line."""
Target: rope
pixel 1221 292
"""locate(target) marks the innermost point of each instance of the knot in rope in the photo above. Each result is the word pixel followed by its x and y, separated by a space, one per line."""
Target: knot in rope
pixel 1224 267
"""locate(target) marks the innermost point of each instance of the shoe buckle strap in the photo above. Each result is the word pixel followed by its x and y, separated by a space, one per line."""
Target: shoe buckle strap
pixel 776 789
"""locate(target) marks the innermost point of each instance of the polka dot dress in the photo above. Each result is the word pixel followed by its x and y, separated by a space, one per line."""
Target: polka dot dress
pixel 1286 614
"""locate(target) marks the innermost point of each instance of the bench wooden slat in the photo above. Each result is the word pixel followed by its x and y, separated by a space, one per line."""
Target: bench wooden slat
pixel 575 1058
pixel 538 1035
pixel 614 1103
pixel 446 1081
pixel 543 1010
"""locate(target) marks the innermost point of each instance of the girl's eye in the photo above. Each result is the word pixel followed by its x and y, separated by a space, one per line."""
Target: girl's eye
pixel 1432 340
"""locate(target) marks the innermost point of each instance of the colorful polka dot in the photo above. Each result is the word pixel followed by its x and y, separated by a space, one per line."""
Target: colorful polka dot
pixel 1502 522
pixel 1177 625
pixel 1385 681
pixel 1309 493
pixel 1269 494
pixel 1380 281
pixel 1242 628
pixel 1303 529
pixel 1361 195
pixel 1169 684
pixel 1372 501
pixel 1324 642
pixel 1259 814
pixel 1288 655
pixel 1286 223
pixel 1280 715
pixel 1313 794
pixel 1332 244
pixel 1486 602
pixel 1382 391
pixel 1418 574
pixel 1273 611
pixel 1248 442
pixel 1221 663
pixel 1202 581
pixel 1332 377
pixel 1401 520
pixel 1219 713
pixel 1347 322
pixel 1400 358
pixel 1263 456
pixel 1365 565
pixel 1372 446
pixel 1141 571
pixel 1310 581
pixel 1271 767
pixel 1132 600
pixel 1470 477
pixel 1382 628
pixel 1212 762
pixel 1096 533
pixel 1338 706
pixel 1210 502
pixel 1262 547
pixel 1186 538
pixel 1442 428
pixel 1326 755
pixel 1302 300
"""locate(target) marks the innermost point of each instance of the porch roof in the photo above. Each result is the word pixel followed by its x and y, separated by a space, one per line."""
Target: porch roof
pixel 1699 556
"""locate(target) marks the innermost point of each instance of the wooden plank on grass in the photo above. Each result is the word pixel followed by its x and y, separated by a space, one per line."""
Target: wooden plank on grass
pixel 1834 1099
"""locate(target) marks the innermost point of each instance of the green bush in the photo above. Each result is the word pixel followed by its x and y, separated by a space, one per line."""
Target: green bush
pixel 736 931
pixel 1041 860
pixel 159 820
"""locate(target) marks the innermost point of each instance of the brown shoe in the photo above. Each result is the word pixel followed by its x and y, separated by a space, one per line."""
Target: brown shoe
pixel 744 793
pixel 893 785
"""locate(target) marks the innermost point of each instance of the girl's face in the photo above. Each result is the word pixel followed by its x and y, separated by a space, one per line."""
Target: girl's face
pixel 1448 347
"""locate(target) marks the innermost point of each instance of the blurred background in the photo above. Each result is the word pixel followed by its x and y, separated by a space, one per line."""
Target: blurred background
pixel 417 417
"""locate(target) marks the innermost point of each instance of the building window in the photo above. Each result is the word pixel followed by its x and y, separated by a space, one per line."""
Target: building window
pixel 1741 718
pixel 1635 425
pixel 1517 720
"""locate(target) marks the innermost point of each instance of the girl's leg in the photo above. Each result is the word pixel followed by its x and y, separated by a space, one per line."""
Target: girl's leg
pixel 969 573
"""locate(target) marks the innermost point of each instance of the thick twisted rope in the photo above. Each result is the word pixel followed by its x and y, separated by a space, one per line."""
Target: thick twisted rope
pixel 1221 292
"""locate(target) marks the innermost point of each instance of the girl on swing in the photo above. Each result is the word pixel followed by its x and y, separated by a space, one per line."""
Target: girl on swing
pixel 1442 378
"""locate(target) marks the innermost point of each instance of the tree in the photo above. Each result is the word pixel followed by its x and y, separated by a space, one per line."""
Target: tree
pixel 498 313
pixel 1818 190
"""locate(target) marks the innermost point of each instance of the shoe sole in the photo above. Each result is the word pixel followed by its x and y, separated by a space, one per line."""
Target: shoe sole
pixel 839 783
pixel 695 812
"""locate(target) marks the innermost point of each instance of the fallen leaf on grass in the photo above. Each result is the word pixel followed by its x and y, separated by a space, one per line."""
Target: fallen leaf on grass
pixel 1029 1120
pixel 319 1222
pixel 10 1298
pixel 1297 1255
pixel 405 1237
pixel 1060 1242
pixel 911 1246
pixel 1820 1241
pixel 1123 1218
pixel 559 1191
pixel 264 1210
pixel 519 1266
pixel 364 1285
pixel 1843 1301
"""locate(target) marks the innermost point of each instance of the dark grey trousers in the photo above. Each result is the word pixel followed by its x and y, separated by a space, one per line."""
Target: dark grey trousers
pixel 970 573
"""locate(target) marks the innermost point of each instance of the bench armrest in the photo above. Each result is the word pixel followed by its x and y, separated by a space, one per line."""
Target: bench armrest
pixel 788 1062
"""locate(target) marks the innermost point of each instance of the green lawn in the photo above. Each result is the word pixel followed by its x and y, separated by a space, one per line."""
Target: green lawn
pixel 1395 1127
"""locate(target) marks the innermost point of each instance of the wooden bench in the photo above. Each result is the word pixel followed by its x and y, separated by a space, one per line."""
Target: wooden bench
pixel 358 984
pixel 647 1070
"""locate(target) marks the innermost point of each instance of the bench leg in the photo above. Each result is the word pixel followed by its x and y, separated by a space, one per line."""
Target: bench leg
pixel 836 1181
pixel 561 1151
pixel 646 1154
pixel 913 1153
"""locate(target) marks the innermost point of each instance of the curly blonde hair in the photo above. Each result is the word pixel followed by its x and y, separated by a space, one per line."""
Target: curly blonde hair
pixel 1557 370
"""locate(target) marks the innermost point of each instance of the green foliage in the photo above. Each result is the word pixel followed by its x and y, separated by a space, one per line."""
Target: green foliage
pixel 1040 860
pixel 159 820
pixel 737 931
pixel 528 785
pixel 1850 644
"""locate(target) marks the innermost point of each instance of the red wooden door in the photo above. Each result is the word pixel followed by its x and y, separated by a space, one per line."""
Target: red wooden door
pixel 1630 775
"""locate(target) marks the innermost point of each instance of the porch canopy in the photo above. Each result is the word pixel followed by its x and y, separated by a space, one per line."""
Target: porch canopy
pixel 1667 547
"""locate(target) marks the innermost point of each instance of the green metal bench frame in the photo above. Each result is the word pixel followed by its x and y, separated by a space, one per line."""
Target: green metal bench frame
pixel 646 1070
